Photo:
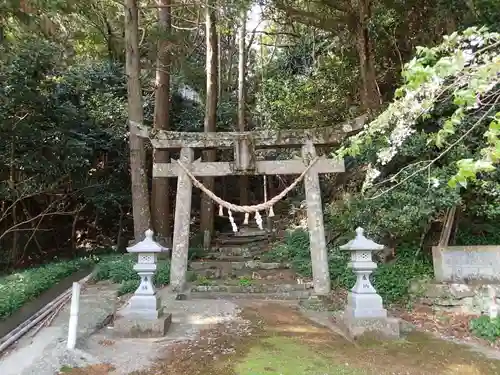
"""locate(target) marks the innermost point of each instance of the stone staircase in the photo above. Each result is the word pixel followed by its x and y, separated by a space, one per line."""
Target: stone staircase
pixel 234 269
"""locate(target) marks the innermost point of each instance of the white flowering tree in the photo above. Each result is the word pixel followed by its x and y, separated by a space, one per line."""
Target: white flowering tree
pixel 437 144
pixel 466 69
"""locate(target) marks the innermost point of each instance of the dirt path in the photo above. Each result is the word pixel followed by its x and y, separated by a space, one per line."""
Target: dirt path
pixel 276 339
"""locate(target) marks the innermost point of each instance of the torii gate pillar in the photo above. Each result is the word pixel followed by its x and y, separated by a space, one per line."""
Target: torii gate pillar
pixel 317 246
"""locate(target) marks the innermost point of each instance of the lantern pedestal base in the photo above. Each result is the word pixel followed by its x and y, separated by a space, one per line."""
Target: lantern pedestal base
pixel 356 327
pixel 146 307
pixel 365 305
pixel 135 326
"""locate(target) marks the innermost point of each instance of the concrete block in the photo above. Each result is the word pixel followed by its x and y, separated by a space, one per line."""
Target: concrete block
pixel 355 327
pixel 465 263
pixel 134 326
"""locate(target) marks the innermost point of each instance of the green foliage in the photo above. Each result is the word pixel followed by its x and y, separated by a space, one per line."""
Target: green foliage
pixel 477 231
pixel 340 275
pixel 21 287
pixel 245 281
pixel 128 286
pixel 432 148
pixel 63 141
pixel 202 280
pixel 62 136
pixel 485 327
pixel 392 280
pixel 162 276
pixel 294 249
pixel 463 71
pixel 302 91
pixel 119 269
pixel 398 216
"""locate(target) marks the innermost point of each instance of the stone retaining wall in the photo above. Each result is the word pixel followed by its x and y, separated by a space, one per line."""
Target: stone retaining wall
pixel 455 297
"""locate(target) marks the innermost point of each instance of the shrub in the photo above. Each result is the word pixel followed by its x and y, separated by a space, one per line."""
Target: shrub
pixel 485 327
pixel 162 276
pixel 392 280
pixel 129 286
pixel 120 269
pixel 22 287
pixel 294 249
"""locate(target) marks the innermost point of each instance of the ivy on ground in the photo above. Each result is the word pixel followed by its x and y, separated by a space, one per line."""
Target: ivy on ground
pixel 485 327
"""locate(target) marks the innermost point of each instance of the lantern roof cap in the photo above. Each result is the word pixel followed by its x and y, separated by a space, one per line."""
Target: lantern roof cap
pixel 360 242
pixel 147 245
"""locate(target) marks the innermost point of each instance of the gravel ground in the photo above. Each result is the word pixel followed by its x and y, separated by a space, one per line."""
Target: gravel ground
pixel 189 318
pixel 46 353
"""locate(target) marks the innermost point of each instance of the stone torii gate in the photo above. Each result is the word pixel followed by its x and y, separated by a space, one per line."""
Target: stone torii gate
pixel 244 145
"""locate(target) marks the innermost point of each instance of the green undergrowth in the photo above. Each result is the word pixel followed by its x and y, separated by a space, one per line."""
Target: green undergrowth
pixel 21 287
pixel 481 232
pixel 392 280
pixel 119 269
pixel 486 328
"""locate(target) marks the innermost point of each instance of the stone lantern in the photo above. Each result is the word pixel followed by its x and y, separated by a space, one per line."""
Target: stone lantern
pixel 143 315
pixel 365 310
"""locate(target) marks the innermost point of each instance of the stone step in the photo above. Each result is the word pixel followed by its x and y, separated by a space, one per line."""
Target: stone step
pixel 233 240
pixel 229 258
pixel 250 232
pixel 235 266
pixel 234 254
pixel 257 288
pixel 232 277
pixel 294 295
pixel 243 251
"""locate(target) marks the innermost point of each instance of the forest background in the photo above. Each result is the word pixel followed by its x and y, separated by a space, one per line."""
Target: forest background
pixel 232 65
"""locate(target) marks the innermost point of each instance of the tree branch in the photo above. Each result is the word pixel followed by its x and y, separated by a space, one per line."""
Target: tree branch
pixel 311 18
pixel 460 139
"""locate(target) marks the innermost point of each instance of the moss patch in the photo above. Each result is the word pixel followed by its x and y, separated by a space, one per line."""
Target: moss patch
pixel 286 356
pixel 279 340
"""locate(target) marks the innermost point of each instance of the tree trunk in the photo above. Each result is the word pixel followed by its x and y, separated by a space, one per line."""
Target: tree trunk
pixel 160 200
pixel 230 54
pixel 207 211
pixel 140 194
pixel 219 66
pixel 369 93
pixel 241 96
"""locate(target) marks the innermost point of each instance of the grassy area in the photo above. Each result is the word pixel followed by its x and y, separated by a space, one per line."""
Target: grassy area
pixel 285 356
pixel 21 287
